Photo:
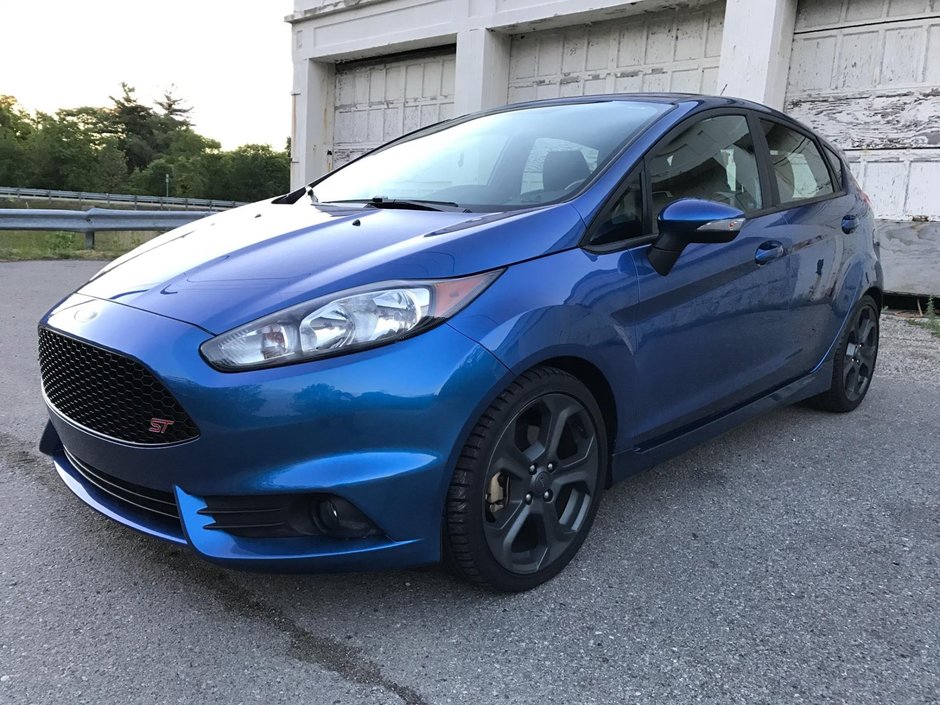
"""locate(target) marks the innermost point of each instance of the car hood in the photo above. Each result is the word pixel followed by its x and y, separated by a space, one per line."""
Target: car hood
pixel 230 268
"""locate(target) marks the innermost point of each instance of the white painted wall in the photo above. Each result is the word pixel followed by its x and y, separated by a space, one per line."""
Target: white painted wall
pixel 866 73
pixel 755 50
pixel 378 100
pixel 669 50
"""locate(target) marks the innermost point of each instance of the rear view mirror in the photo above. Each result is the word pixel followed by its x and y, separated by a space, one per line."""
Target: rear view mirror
pixel 691 220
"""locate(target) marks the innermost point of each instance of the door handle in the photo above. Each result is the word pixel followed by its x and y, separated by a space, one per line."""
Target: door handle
pixel 849 224
pixel 769 251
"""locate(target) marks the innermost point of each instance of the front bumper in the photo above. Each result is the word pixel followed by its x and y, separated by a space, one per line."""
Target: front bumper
pixel 380 429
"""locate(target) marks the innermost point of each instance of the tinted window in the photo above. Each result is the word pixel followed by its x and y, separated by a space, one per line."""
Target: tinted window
pixel 625 220
pixel 713 160
pixel 837 168
pixel 798 166
pixel 495 162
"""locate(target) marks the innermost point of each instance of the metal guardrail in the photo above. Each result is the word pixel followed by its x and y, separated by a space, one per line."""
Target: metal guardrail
pixel 95 220
pixel 83 196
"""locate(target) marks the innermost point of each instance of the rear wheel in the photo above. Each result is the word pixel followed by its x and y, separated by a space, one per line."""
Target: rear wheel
pixel 854 362
pixel 528 483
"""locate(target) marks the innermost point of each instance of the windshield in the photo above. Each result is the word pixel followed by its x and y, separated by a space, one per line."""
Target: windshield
pixel 513 159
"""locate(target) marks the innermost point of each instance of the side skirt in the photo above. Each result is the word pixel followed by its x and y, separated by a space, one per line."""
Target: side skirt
pixel 636 460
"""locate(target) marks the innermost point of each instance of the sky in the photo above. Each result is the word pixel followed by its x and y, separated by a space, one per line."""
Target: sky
pixel 229 60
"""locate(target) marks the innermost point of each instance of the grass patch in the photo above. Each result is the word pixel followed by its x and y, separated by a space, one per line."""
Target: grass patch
pixel 932 321
pixel 27 245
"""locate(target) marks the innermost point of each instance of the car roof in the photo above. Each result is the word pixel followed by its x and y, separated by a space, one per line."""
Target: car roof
pixel 706 101
pixel 702 101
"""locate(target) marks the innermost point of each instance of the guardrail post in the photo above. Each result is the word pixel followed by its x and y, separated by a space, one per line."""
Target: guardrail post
pixel 89 239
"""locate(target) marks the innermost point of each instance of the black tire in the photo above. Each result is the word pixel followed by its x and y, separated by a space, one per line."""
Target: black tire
pixel 527 484
pixel 854 363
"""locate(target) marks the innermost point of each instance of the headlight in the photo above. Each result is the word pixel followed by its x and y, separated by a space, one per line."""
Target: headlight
pixel 341 323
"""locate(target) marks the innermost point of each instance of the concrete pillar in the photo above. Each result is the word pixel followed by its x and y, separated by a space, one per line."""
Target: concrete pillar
pixel 312 121
pixel 482 70
pixel 755 50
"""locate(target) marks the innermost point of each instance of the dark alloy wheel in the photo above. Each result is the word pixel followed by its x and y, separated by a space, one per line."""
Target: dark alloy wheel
pixel 854 362
pixel 528 483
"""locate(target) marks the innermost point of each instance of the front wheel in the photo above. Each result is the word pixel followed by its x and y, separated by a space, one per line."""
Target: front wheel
pixel 854 363
pixel 528 483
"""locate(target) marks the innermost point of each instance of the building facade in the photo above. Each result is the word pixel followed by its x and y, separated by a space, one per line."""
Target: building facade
pixel 864 73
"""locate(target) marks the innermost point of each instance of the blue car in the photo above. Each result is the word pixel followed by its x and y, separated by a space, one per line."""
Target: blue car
pixel 447 349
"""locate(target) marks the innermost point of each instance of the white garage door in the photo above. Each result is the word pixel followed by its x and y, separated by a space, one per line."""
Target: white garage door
pixel 378 100
pixel 674 50
pixel 866 73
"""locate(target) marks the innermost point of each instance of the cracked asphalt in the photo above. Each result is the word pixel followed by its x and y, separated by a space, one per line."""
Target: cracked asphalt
pixel 796 560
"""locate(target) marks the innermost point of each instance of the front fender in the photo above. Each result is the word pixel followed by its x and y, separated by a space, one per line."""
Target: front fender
pixel 571 304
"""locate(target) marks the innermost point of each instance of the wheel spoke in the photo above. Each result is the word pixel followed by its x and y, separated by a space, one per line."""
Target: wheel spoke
pixel 847 372
pixel 501 535
pixel 511 459
pixel 867 355
pixel 585 456
pixel 504 518
pixel 561 410
pixel 557 535
pixel 865 330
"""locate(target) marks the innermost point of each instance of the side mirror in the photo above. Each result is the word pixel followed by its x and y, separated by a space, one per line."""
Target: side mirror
pixel 691 220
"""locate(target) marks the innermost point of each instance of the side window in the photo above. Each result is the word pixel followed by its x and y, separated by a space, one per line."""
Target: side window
pixel 837 168
pixel 554 164
pixel 625 220
pixel 713 160
pixel 798 166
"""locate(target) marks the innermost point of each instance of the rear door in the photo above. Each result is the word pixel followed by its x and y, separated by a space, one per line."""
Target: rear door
pixel 811 195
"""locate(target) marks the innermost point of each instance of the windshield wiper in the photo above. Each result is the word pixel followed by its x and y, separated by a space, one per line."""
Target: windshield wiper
pixel 417 204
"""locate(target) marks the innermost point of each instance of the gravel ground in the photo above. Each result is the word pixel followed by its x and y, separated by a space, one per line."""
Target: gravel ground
pixel 793 560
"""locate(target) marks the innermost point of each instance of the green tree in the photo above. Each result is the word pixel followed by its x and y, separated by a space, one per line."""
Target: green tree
pixel 63 154
pixel 16 129
pixel 133 125
pixel 130 147
pixel 255 171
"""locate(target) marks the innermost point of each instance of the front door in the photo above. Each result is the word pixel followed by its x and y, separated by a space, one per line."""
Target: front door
pixel 715 332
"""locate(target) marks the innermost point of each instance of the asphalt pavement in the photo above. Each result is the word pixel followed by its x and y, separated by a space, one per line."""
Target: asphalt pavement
pixel 794 560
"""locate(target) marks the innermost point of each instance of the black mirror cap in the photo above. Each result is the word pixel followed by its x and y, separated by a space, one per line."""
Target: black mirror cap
pixel 692 220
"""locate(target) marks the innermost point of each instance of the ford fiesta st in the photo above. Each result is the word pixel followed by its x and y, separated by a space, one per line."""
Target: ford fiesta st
pixel 448 348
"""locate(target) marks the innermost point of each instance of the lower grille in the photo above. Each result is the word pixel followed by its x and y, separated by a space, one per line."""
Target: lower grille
pixel 270 516
pixel 150 500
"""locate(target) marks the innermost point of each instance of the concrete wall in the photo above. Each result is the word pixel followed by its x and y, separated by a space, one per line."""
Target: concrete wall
pixel 328 32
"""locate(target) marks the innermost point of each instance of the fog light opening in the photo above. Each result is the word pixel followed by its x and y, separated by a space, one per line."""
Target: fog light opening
pixel 338 518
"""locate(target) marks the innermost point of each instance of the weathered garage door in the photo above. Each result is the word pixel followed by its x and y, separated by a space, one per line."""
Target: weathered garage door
pixel 379 100
pixel 674 50
pixel 866 73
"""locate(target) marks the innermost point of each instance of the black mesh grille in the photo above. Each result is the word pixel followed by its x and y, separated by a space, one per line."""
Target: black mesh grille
pixel 109 393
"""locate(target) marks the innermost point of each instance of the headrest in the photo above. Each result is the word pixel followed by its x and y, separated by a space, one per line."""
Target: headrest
pixel 562 169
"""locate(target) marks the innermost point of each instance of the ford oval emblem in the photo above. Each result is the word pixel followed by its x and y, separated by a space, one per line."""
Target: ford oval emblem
pixel 84 314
